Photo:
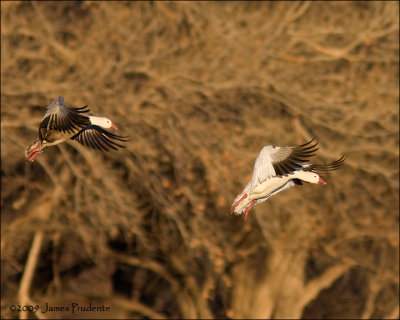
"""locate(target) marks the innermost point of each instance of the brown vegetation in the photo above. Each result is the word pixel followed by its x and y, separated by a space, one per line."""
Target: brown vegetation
pixel 200 87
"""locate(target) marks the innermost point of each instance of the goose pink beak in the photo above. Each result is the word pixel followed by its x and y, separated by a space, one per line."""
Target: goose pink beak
pixel 321 181
pixel 114 126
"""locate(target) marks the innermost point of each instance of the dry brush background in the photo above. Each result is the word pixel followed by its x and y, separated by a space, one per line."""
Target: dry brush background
pixel 199 88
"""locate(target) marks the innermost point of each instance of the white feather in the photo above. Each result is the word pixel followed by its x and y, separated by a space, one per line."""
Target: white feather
pixel 263 168
pixel 101 121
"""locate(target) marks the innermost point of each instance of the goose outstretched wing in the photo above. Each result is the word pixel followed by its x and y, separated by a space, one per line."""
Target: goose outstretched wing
pixel 318 168
pixel 274 161
pixel 97 138
pixel 62 118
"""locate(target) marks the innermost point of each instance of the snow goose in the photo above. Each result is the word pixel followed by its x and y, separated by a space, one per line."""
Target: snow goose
pixel 61 123
pixel 277 169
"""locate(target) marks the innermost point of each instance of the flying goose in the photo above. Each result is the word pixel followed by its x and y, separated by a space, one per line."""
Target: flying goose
pixel 277 169
pixel 61 123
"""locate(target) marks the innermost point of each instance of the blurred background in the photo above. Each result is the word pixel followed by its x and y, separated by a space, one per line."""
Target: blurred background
pixel 200 88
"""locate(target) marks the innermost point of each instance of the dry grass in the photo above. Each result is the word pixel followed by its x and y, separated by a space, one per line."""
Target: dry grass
pixel 199 88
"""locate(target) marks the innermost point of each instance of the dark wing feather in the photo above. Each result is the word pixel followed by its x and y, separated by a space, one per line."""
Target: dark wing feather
pixel 317 168
pixel 97 138
pixel 298 181
pixel 62 118
pixel 288 159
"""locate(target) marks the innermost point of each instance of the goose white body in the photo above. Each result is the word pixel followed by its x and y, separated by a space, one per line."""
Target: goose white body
pixel 262 192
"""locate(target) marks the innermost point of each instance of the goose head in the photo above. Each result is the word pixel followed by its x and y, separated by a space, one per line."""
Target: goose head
pixel 309 176
pixel 103 122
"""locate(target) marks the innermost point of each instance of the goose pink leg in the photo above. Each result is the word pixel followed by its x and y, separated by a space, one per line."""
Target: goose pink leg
pixel 33 153
pixel 248 209
pixel 237 202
